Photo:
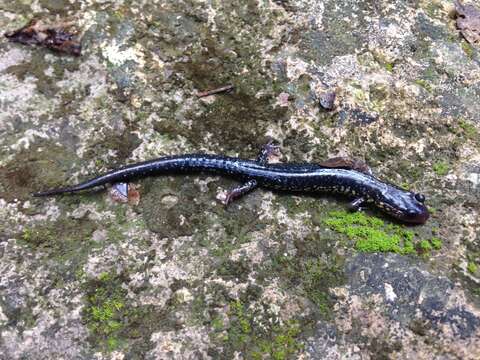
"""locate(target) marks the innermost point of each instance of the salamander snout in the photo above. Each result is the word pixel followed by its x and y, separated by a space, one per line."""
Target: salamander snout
pixel 416 212
pixel 406 206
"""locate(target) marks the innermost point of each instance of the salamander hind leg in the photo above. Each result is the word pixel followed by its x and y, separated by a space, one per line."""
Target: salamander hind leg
pixel 239 191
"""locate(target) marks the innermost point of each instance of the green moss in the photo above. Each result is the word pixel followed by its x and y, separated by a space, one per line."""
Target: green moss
pixel 370 233
pixel 467 49
pixel 424 84
pixel 105 276
pixel 441 168
pixel 66 242
pixel 217 324
pixel 425 245
pixel 314 273
pixel 41 236
pixel 432 9
pixel 284 343
pixel 111 319
pixel 311 277
pixel 80 275
pixel 472 267
pixel 105 311
pixel 112 343
pixel 27 235
pixel 469 130
pixel 256 340
pixel 436 243
pixel 389 67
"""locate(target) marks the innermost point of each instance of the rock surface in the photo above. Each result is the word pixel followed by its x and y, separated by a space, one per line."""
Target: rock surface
pixel 179 276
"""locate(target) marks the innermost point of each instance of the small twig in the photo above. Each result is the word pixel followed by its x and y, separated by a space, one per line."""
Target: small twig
pixel 226 88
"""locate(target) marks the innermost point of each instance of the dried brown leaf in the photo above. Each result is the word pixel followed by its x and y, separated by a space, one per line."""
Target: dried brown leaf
pixel 54 37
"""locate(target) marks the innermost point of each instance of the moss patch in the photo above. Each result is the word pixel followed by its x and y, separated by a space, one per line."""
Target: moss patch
pixel 468 49
pixel 257 339
pixel 441 168
pixel 469 130
pixel 436 243
pixel 315 273
pixel 65 242
pixel 424 84
pixel 389 67
pixel 310 277
pixel 105 311
pixel 472 267
pixel 112 320
pixel 371 234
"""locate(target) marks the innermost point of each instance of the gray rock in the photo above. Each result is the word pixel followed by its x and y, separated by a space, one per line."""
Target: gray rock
pixel 273 275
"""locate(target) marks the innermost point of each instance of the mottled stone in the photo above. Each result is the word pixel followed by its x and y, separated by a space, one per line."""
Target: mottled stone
pixel 182 276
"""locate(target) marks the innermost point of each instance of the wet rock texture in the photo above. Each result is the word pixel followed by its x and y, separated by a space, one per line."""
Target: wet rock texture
pixel 179 276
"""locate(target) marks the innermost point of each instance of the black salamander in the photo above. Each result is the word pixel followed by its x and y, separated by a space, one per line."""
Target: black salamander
pixel 338 177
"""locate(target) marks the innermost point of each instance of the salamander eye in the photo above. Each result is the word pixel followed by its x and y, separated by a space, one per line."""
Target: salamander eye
pixel 420 198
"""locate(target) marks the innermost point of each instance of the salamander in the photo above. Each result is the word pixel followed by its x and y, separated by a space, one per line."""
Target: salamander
pixel 338 177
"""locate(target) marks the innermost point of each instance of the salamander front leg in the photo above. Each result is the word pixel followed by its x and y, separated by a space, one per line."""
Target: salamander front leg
pixel 356 204
pixel 267 150
pixel 262 158
pixel 239 191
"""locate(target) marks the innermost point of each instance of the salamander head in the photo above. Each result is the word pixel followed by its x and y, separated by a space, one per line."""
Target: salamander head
pixel 405 206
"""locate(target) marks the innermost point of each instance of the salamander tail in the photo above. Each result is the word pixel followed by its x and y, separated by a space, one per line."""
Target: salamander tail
pixel 53 192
